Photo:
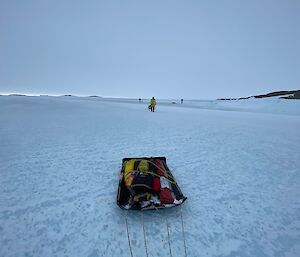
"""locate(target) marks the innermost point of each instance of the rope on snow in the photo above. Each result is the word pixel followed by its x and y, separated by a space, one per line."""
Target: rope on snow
pixel 128 237
pixel 169 241
pixel 183 234
pixel 145 239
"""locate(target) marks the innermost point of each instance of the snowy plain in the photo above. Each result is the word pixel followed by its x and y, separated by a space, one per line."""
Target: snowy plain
pixel 238 162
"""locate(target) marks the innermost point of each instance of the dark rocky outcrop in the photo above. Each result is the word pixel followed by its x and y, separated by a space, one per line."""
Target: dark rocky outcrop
pixel 241 98
pixel 277 93
pixel 293 94
pixel 16 95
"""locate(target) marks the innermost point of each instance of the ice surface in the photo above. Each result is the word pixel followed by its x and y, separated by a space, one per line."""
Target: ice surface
pixel 60 158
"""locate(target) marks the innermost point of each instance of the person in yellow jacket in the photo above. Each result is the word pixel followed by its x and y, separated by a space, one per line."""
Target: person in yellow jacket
pixel 152 104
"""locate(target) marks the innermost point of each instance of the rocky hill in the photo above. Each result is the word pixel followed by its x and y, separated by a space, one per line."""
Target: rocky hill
pixel 292 94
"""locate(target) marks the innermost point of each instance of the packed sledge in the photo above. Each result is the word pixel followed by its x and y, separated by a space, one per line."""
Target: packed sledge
pixel 147 183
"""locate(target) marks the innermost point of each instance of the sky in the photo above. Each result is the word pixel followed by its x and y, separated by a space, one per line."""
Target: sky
pixel 192 49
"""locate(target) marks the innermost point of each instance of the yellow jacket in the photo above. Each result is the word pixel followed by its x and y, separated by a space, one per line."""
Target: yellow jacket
pixel 152 102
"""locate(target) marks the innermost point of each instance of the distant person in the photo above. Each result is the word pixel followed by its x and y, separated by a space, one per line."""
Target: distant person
pixel 152 104
pixel 181 101
pixel 140 100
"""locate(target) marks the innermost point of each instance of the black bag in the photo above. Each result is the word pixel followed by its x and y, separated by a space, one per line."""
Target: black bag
pixel 142 183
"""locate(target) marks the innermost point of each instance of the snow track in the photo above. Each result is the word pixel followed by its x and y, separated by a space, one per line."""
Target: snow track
pixel 60 159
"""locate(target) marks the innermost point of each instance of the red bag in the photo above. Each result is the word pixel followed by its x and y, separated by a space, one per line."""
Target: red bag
pixel 160 167
pixel 166 196
pixel 156 184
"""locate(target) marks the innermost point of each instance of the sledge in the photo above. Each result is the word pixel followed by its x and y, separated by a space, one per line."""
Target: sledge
pixel 147 183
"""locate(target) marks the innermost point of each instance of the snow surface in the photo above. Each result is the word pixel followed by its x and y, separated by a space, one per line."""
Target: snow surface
pixel 60 158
